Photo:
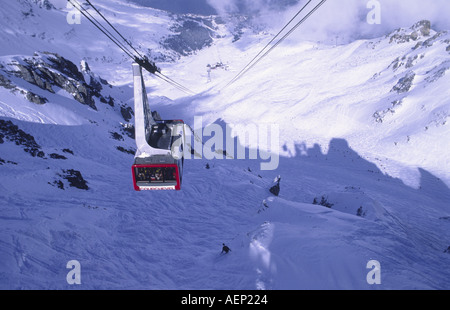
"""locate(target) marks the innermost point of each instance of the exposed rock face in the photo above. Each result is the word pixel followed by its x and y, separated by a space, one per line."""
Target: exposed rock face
pixel 127 113
pixel 11 132
pixel 380 115
pixel 54 70
pixel 323 202
pixel 191 36
pixel 6 83
pixel 275 189
pixel 414 33
pixel 46 4
pixel 423 27
pixel 32 97
pixel 405 83
pixel 75 179
pixel 437 72
pixel 50 71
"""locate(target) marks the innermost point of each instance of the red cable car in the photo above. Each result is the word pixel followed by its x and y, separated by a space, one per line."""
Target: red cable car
pixel 158 162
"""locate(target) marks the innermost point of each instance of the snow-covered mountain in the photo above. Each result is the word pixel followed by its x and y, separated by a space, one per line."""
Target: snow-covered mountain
pixel 363 169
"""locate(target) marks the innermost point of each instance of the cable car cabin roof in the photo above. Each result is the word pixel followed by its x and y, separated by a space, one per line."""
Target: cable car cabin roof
pixel 155 160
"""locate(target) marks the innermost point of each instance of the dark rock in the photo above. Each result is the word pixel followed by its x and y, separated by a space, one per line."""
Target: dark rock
pixel 96 87
pixel 127 113
pixel 360 212
pixel 323 202
pixel 436 74
pixel 103 81
pixel 129 130
pixel 58 184
pixel 418 30
pixel 12 133
pixel 275 189
pixel 124 150
pixel 4 82
pixel 32 97
pixel 191 36
pixel 410 62
pixel 53 70
pixel 116 136
pixel 81 93
pixel 2 162
pixel 111 101
pixel 31 76
pixel 65 66
pixel 108 100
pixel 44 4
pixel 75 179
pixel 405 83
pixel 57 156
pixel 432 40
pixel 68 151
pixel 422 28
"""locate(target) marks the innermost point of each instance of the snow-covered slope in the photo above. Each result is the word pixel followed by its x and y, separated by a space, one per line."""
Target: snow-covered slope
pixel 363 159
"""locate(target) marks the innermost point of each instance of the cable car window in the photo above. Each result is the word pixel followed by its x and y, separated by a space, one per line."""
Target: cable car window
pixel 156 175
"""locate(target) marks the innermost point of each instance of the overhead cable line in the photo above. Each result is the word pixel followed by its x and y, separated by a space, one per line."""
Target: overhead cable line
pixel 176 84
pixel 114 28
pixel 270 42
pixel 99 26
pixel 256 60
pixel 143 61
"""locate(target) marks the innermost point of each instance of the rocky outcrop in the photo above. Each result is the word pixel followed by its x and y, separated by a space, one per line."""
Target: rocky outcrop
pixel 32 97
pixel 54 70
pixel 275 188
pixel 190 34
pixel 380 115
pixel 11 132
pixel 190 37
pixel 437 72
pixel 405 83
pixel 6 83
pixel 43 4
pixel 323 201
pixel 50 71
pixel 414 33
pixel 127 113
pixel 75 179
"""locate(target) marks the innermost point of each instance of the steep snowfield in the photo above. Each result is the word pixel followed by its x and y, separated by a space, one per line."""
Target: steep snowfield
pixel 354 135
pixel 340 92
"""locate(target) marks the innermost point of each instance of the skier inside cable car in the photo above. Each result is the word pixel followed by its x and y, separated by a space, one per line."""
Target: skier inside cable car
pixel 156 175
pixel 141 175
